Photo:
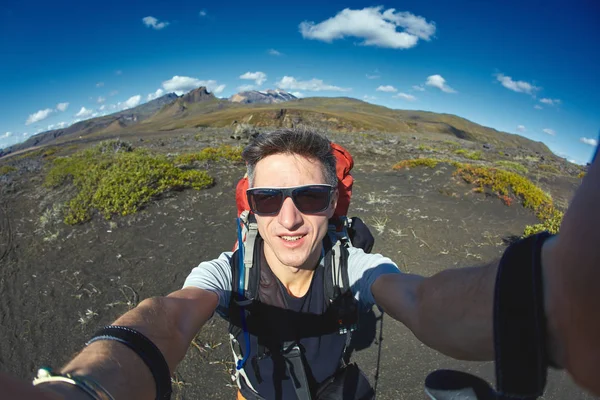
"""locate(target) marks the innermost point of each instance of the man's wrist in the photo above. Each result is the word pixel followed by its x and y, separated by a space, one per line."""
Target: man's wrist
pixel 65 390
pixel 108 362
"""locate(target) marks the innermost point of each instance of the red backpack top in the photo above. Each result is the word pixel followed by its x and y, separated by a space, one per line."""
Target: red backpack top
pixel 344 163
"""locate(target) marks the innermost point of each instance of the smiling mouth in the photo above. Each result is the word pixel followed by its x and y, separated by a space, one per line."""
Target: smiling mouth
pixel 292 238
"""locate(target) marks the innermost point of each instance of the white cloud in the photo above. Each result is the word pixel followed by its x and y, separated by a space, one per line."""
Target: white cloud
pixel 405 96
pixel 100 100
pixel 297 94
pixel 131 102
pixel 245 88
pixel 258 77
pixel 313 85
pixel 367 97
pixel 151 96
pixel 521 128
pixel 99 84
pixel 373 76
pixel 118 72
pixel 6 135
pixel 374 27
pixel 439 82
pixel 418 88
pixel 113 93
pixel 550 102
pixel 58 125
pixel 202 13
pixel 62 106
pixel 387 89
pixel 39 116
pixel 549 131
pixel 538 107
pixel 591 142
pixel 183 84
pixel 102 107
pixel 25 134
pixel 219 89
pixel 274 52
pixel 84 113
pixel 152 22
pixel 517 86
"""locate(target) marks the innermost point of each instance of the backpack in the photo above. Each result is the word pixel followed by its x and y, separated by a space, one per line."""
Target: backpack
pixel 253 286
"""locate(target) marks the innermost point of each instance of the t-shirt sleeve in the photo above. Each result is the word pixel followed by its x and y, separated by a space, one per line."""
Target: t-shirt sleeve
pixel 363 270
pixel 214 276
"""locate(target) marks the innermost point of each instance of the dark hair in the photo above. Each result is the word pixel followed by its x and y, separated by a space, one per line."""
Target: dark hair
pixel 301 141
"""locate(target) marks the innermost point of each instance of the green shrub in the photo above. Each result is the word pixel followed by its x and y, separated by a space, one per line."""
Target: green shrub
pixel 515 166
pixel 471 155
pixel 423 147
pixel 7 169
pixel 548 168
pixel 417 162
pixel 49 152
pixel 112 178
pixel 550 222
pixel 581 175
pixel 504 183
pixel 225 152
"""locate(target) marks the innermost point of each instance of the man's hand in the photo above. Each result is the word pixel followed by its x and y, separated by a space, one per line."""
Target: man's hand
pixel 170 322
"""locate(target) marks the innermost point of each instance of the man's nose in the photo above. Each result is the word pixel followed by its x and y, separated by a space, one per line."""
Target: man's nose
pixel 289 217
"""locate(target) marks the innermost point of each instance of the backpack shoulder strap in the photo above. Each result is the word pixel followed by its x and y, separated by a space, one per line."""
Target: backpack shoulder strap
pixel 242 261
pixel 248 250
pixel 336 263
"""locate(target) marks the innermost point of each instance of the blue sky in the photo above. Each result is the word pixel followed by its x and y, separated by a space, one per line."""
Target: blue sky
pixel 522 67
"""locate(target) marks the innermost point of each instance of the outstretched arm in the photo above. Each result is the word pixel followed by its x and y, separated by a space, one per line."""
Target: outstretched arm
pixel 170 322
pixel 453 311
pixel 450 311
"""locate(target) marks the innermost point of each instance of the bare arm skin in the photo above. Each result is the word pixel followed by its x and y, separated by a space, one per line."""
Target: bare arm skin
pixel 170 322
pixel 452 311
pixel 572 277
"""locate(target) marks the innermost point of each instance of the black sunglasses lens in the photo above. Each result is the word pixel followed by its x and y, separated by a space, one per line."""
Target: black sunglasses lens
pixel 312 199
pixel 265 201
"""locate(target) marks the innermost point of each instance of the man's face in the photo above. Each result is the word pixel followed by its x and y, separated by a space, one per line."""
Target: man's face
pixel 292 238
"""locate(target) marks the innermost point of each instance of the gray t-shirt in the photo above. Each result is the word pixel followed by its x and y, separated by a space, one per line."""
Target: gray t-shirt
pixel 363 270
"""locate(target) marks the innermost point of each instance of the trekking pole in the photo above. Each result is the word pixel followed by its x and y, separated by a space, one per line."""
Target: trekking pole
pixel 378 353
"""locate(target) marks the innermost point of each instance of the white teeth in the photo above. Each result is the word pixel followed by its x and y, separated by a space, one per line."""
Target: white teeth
pixel 291 238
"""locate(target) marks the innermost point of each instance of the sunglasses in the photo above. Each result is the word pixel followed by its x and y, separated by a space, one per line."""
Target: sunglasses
pixel 309 199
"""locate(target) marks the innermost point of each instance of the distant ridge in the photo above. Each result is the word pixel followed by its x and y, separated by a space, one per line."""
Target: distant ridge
pixel 112 123
pixel 276 109
pixel 263 97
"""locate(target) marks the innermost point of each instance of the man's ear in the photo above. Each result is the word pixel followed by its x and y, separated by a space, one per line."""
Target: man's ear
pixel 333 203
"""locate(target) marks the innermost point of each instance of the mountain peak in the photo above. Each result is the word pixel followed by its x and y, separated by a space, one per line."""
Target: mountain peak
pixel 268 96
pixel 198 95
